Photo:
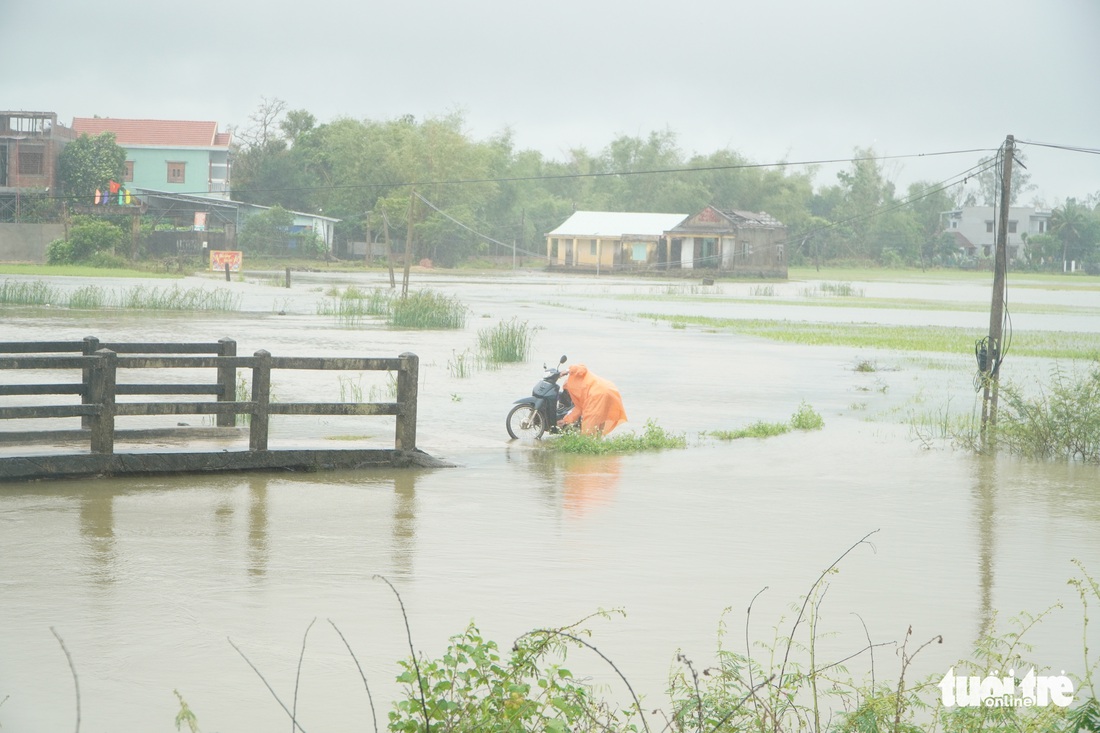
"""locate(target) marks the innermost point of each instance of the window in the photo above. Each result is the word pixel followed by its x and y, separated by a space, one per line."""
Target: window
pixel 128 172
pixel 639 252
pixel 592 247
pixel 31 159
pixel 954 223
pixel 1042 226
pixel 176 172
pixel 1011 227
pixel 989 226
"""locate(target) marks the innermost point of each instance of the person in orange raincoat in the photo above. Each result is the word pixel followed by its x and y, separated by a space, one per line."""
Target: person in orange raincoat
pixel 596 402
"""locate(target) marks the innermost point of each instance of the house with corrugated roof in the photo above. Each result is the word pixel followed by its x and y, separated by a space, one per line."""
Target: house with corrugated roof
pixel 739 242
pixel 174 156
pixel 608 240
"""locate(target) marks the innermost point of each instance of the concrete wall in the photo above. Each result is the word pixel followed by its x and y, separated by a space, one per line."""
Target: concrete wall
pixel 27 242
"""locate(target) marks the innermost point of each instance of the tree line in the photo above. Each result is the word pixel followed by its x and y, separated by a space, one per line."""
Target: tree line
pixel 469 198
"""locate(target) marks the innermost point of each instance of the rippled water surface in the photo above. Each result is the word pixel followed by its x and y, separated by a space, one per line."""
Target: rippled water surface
pixel 148 580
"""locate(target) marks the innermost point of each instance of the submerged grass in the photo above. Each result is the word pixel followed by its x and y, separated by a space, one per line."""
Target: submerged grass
pixel 505 343
pixel 804 418
pixel 352 305
pixel 427 309
pixel 33 292
pixel 653 437
pixel 140 297
pixel 946 339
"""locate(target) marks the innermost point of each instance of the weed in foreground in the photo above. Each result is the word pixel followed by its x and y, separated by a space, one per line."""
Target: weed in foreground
pixel 653 437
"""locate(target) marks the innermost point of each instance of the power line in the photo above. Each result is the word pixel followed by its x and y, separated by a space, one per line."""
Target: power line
pixel 1070 148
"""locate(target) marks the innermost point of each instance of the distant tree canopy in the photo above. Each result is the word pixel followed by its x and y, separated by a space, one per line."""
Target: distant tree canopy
pixel 471 197
pixel 88 163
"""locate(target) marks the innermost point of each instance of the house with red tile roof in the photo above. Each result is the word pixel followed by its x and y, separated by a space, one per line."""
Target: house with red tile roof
pixel 174 156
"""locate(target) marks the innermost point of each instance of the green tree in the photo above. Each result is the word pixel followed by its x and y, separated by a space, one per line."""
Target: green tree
pixel 88 163
pixel 266 232
pixel 1078 229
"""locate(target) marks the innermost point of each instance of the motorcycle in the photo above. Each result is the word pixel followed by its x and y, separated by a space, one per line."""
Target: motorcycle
pixel 532 416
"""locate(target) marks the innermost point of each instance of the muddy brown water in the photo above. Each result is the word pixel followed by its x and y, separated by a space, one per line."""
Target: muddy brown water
pixel 148 580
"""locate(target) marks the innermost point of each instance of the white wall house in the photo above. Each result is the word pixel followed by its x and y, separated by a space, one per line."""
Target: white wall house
pixel 975 228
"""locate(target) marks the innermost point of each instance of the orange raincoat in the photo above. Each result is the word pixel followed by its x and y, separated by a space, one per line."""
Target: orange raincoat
pixel 595 400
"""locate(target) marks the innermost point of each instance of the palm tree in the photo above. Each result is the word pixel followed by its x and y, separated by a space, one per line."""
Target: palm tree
pixel 1070 223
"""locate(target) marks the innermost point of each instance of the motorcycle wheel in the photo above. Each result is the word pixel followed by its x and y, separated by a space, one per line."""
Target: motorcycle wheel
pixel 524 421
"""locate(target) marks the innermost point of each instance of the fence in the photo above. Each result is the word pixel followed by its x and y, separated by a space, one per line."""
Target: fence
pixel 99 365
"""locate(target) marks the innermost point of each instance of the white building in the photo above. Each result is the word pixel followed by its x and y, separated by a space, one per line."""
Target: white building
pixel 975 228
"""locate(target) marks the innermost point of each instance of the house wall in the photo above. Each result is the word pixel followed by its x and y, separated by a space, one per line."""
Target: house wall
pixel 151 169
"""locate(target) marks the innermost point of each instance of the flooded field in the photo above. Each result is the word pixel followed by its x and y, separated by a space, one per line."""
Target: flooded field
pixel 148 580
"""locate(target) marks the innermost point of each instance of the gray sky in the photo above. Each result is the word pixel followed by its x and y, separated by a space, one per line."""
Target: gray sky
pixel 772 79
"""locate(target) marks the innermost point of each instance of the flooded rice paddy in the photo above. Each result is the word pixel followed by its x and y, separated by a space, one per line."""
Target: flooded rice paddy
pixel 148 580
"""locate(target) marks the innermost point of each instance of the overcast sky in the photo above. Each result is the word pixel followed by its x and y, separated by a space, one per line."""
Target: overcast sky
pixel 776 80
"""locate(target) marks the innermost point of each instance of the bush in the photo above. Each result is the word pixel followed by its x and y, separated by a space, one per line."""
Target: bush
pixel 108 261
pixel 89 236
pixel 59 252
pixel 1062 422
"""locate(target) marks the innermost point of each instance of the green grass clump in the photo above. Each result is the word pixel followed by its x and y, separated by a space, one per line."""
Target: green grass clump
pixel 653 437
pixel 806 418
pixel 428 310
pixel 505 343
pixel 759 429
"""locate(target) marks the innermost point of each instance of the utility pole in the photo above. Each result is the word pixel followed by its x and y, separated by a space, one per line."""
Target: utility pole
pixel 408 244
pixel 389 249
pixel 991 368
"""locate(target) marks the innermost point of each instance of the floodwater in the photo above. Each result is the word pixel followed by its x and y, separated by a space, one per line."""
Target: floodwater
pixel 151 582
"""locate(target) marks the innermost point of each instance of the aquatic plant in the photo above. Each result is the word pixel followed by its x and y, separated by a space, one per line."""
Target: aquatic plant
pixel 23 292
pixel 351 305
pixel 507 342
pixel 89 297
pixel 426 309
pixel 461 365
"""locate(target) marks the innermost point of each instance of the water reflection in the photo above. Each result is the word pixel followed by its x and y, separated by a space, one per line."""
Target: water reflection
pixel 575 484
pixel 257 526
pixel 97 527
pixel 404 521
pixel 588 483
pixel 985 505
